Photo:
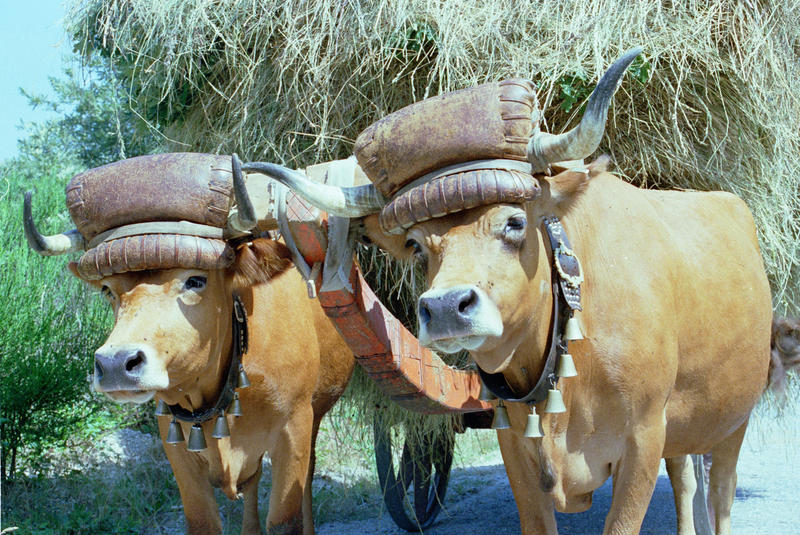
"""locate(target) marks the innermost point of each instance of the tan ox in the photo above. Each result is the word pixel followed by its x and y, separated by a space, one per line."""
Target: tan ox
pixel 173 339
pixel 676 309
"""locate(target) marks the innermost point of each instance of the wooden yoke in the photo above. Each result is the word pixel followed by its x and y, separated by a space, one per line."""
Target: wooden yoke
pixel 411 375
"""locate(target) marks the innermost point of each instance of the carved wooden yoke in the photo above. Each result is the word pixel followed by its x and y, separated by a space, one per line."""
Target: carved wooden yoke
pixel 411 375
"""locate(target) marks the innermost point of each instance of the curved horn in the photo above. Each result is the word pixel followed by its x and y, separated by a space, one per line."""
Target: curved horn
pixel 355 201
pixel 244 218
pixel 582 140
pixel 68 242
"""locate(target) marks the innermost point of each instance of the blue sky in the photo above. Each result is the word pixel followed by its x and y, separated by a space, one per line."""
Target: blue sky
pixel 32 44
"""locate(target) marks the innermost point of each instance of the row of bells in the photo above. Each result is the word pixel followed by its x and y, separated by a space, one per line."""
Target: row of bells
pixel 197 441
pixel 555 402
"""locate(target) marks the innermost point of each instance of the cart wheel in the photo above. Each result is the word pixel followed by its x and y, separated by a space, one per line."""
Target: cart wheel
pixel 702 512
pixel 414 493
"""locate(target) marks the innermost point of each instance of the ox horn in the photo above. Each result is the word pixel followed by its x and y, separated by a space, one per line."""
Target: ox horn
pixel 68 242
pixel 244 219
pixel 356 201
pixel 581 141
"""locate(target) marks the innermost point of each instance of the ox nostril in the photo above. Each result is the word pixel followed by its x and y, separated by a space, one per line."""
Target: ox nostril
pixel 424 313
pixel 134 361
pixel 98 369
pixel 467 302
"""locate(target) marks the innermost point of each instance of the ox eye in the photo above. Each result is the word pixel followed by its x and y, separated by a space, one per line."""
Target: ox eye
pixel 416 249
pixel 107 293
pixel 195 283
pixel 514 231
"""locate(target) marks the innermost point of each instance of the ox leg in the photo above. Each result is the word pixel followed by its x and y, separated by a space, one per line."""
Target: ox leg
pixel 250 522
pixel 200 507
pixel 684 486
pixel 308 511
pixel 535 506
pixel 722 480
pixel 634 480
pixel 290 451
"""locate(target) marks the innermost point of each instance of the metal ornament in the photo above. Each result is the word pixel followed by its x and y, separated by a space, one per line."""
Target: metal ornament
pixel 175 433
pixel 197 442
pixel 221 429
pixel 533 429
pixel 236 406
pixel 555 403
pixel 243 381
pixel 486 394
pixel 573 330
pixel 500 420
pixel 162 409
pixel 566 366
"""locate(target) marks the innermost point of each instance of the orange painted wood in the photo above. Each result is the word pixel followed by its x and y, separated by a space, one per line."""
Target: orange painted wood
pixel 411 375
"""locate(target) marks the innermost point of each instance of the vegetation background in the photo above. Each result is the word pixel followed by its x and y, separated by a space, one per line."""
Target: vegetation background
pixel 713 104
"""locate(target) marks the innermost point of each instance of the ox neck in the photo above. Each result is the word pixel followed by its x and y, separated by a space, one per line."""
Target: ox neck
pixel 227 391
pixel 565 283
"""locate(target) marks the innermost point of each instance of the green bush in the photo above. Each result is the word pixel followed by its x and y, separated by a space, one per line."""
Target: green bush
pixel 51 324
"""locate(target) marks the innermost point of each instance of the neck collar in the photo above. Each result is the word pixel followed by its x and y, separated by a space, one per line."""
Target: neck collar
pixel 566 277
pixel 238 348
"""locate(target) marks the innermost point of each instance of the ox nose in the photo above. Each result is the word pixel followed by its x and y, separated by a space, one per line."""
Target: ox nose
pixel 120 369
pixel 458 304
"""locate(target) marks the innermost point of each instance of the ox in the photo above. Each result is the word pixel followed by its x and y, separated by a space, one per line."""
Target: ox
pixel 675 306
pixel 173 340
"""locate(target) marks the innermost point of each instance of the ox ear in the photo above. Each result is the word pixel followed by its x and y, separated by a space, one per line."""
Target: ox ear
pixel 258 261
pixel 394 244
pixel 566 186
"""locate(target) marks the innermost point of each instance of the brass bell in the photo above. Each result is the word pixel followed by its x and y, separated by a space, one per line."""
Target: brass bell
pixel 555 403
pixel 243 381
pixel 500 420
pixel 236 407
pixel 573 330
pixel 566 366
pixel 175 433
pixel 533 429
pixel 486 394
pixel 221 429
pixel 162 409
pixel 197 442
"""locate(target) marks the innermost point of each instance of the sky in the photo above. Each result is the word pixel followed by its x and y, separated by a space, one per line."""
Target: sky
pixel 32 44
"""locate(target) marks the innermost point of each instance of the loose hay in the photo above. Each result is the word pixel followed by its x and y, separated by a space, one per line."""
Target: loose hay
pixel 714 104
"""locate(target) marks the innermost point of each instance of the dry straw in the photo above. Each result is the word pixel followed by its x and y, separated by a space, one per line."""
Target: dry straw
pixel 714 105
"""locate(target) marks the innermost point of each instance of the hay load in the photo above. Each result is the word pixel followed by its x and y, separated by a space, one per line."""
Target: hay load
pixel 713 105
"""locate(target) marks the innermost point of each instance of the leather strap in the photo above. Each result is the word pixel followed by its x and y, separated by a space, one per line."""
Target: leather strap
pixel 566 272
pixel 239 347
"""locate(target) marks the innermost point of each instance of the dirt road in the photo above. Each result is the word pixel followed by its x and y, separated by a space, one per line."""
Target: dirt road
pixel 480 502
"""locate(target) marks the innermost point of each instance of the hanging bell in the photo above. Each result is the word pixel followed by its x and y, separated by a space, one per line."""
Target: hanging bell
pixel 500 420
pixel 573 330
pixel 533 429
pixel 486 394
pixel 175 433
pixel 555 403
pixel 566 367
pixel 197 442
pixel 221 429
pixel 236 407
pixel 162 409
pixel 243 381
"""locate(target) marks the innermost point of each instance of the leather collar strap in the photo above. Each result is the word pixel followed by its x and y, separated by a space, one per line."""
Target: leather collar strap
pixel 239 347
pixel 566 291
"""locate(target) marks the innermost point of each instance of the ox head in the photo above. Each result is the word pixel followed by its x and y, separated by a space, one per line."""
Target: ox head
pixel 172 327
pixel 477 234
pixel 171 290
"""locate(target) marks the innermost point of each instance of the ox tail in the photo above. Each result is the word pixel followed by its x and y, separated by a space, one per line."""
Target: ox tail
pixel 784 352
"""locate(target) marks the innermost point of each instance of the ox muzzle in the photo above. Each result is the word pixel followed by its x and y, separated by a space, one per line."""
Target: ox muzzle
pixel 127 368
pixel 456 318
